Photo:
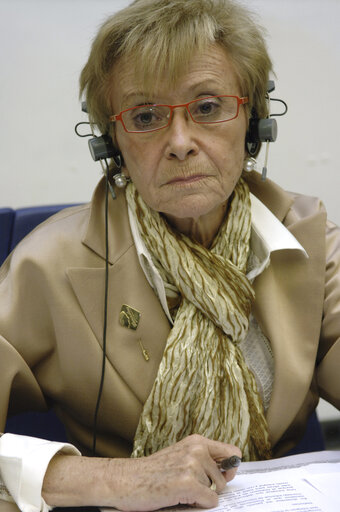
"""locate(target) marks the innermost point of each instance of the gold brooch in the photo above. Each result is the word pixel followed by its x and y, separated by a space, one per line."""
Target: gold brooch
pixel 129 317
pixel 144 351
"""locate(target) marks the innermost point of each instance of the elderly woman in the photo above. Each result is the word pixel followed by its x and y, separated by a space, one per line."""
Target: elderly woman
pixel 223 291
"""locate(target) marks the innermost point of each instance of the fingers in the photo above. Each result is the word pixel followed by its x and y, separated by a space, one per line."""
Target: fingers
pixel 206 453
pixel 217 480
pixel 219 450
pixel 229 466
pixel 194 493
pixel 207 499
pixel 229 475
pixel 183 473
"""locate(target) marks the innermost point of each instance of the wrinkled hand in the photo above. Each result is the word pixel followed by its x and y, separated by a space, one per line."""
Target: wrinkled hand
pixel 179 474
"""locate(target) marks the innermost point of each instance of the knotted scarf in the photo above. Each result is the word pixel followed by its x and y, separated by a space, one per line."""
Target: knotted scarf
pixel 203 384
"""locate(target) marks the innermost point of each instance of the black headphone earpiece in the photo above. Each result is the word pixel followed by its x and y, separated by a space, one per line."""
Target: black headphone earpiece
pixel 263 130
pixel 260 130
pixel 102 148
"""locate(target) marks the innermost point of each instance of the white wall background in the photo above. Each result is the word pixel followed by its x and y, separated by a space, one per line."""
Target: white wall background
pixel 45 43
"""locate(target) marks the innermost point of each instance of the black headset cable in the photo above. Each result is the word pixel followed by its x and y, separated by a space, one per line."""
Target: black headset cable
pixel 94 442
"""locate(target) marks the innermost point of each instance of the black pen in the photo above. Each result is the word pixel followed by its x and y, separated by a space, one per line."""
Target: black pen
pixel 231 463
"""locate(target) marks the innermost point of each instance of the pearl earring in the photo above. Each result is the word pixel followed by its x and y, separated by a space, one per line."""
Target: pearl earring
pixel 119 177
pixel 120 180
pixel 249 164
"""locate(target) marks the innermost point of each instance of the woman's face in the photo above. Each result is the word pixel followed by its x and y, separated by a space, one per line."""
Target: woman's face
pixel 185 170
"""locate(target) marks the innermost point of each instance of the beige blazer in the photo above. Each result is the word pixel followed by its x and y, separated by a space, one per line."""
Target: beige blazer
pixel 51 321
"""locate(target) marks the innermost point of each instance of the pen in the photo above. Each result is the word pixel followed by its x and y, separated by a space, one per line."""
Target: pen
pixel 232 462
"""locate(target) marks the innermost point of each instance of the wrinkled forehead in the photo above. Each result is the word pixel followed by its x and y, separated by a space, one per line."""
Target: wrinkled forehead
pixel 211 68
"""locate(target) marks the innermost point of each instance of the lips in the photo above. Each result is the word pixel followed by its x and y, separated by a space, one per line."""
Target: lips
pixel 185 174
pixel 186 179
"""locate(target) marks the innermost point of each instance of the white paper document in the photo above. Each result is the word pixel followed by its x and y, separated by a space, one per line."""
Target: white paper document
pixel 281 491
pixel 299 483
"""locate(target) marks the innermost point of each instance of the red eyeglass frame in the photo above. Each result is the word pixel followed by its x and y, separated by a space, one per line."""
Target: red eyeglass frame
pixel 240 101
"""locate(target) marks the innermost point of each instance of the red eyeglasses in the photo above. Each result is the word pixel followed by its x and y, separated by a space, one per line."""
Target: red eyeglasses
pixel 153 117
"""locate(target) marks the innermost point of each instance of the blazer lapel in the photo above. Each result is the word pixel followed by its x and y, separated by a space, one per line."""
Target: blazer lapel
pixel 127 286
pixel 288 306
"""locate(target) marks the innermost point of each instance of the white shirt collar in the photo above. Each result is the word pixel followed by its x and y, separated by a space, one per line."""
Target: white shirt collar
pixel 267 235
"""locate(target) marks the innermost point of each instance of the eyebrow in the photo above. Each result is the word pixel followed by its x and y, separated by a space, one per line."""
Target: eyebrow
pixel 206 87
pixel 133 97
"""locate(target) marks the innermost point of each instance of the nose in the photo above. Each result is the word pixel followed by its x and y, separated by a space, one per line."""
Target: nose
pixel 180 143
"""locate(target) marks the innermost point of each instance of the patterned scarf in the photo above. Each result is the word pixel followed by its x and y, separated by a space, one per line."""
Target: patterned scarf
pixel 203 384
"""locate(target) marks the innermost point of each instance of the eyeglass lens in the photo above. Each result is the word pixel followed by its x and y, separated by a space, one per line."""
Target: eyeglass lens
pixel 207 110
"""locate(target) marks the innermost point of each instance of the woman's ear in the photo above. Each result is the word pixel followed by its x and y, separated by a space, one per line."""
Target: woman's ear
pixel 112 134
pixel 253 144
pixel 119 161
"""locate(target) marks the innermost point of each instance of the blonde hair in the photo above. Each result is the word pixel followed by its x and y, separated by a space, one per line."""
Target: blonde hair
pixel 161 36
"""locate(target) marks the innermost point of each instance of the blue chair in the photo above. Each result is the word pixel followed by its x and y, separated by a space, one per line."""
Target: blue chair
pixel 15 225
pixel 6 225
pixel 27 219
pixel 313 439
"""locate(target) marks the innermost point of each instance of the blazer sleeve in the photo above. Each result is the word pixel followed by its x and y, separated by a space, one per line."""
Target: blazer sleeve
pixel 26 334
pixel 328 369
pixel 26 347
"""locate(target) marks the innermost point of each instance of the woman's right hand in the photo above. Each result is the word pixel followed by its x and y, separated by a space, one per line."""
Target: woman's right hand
pixel 179 474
